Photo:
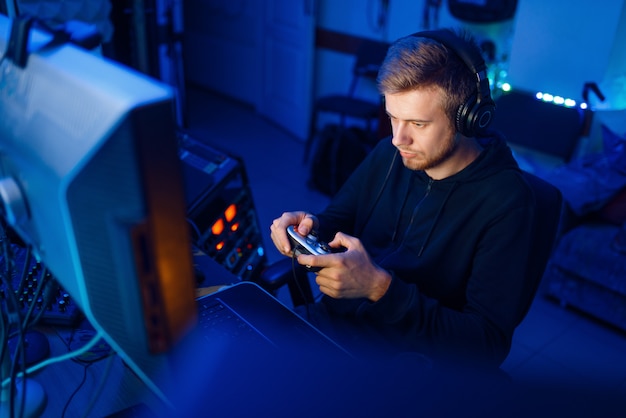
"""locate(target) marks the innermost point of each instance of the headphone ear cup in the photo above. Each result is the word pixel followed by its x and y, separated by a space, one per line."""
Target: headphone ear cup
pixel 463 114
pixel 481 117
pixel 473 118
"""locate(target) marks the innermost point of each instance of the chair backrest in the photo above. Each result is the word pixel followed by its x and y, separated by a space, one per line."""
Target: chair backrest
pixel 369 56
pixel 546 230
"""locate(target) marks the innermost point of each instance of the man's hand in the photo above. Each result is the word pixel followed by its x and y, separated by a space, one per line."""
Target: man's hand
pixel 305 223
pixel 350 274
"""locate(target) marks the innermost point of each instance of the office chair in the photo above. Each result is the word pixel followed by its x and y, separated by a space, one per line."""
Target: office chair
pixel 370 54
pixel 546 231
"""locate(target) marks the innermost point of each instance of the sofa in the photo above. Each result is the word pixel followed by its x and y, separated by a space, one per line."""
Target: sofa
pixel 587 270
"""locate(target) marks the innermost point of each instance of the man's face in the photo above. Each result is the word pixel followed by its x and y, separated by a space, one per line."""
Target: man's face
pixel 422 131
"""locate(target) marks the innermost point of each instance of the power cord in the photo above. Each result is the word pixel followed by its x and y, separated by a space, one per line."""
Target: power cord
pixel 13 318
pixel 76 390
pixel 103 380
pixel 86 364
pixel 92 356
pixel 97 336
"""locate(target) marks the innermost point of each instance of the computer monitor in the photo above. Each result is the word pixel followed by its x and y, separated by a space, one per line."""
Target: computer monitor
pixel 90 178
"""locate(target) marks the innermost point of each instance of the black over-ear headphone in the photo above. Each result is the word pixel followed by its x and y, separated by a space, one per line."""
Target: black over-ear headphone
pixel 474 116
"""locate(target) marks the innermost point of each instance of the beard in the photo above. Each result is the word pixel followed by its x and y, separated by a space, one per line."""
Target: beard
pixel 421 162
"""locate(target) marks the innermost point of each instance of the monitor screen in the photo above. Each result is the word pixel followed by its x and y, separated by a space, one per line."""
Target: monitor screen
pixel 90 179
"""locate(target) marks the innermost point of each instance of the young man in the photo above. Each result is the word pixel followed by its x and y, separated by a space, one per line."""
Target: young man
pixel 435 223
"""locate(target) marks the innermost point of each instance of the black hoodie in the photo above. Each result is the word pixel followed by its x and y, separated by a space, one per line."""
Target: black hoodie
pixel 456 248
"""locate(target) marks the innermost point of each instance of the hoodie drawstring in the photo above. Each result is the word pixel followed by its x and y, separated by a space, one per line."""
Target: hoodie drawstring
pixel 432 226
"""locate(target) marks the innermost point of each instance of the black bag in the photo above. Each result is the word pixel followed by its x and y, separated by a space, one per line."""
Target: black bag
pixel 338 152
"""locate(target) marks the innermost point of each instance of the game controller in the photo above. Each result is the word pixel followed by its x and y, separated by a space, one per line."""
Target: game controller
pixel 307 245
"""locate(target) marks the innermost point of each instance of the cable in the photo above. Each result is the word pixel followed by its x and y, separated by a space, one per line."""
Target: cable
pixel 4 338
pixel 295 279
pixel 4 330
pixel 14 318
pixel 60 358
pixel 80 385
pixel 27 259
pixel 20 350
pixel 96 394
pixel 40 285
pixel 48 295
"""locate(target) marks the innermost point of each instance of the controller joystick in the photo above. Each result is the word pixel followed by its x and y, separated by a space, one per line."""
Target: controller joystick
pixel 309 244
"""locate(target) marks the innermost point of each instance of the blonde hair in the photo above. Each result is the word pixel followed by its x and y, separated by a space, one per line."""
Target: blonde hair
pixel 414 63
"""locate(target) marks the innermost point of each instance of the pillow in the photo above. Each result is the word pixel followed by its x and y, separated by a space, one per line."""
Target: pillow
pixel 593 181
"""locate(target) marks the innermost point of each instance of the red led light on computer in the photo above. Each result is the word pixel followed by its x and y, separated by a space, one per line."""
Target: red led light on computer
pixel 230 212
pixel 218 227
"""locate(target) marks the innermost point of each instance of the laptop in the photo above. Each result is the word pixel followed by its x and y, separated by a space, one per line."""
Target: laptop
pixel 245 317
pixel 246 313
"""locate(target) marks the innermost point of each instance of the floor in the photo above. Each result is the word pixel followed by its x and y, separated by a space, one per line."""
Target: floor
pixel 554 346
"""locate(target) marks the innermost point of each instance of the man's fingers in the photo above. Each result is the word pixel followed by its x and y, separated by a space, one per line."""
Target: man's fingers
pixel 343 240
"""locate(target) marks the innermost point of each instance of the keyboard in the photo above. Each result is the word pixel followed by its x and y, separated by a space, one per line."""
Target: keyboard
pixel 219 323
pixel 248 320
